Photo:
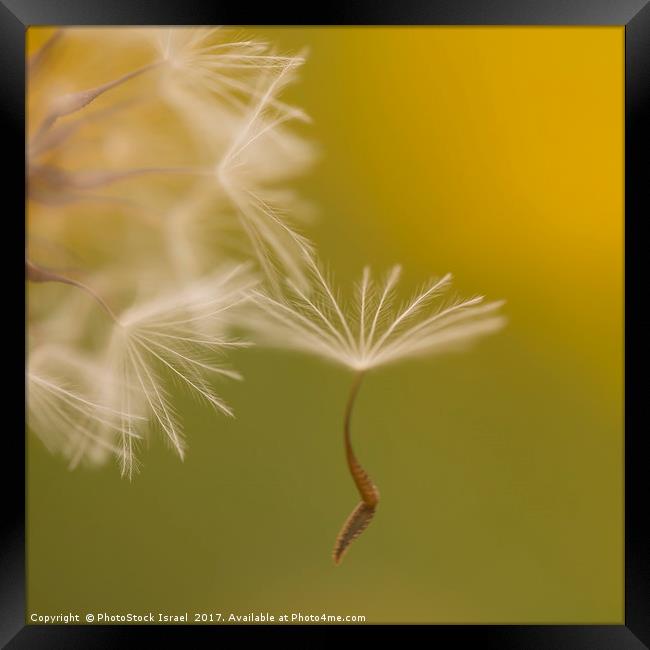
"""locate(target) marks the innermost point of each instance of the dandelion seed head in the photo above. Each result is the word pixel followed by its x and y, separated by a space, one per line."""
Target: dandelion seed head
pixel 126 131
pixel 175 337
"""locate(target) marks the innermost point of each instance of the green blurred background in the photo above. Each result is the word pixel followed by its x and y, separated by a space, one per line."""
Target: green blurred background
pixel 494 153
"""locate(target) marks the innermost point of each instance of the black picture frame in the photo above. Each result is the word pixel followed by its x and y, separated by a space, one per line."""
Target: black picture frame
pixel 17 15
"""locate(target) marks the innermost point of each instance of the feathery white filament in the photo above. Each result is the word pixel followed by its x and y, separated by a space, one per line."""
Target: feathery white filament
pixel 320 325
pixel 176 334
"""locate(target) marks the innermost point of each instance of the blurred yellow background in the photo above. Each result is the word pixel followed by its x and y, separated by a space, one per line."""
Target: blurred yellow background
pixel 493 153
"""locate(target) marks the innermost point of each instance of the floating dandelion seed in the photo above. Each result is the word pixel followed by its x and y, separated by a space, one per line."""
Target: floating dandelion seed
pixel 177 334
pixel 377 333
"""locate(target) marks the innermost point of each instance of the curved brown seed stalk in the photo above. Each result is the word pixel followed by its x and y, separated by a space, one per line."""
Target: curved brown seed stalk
pixel 362 515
